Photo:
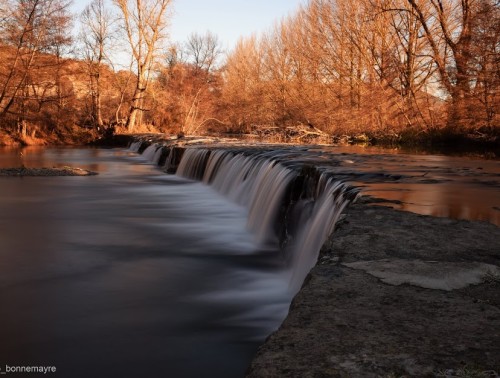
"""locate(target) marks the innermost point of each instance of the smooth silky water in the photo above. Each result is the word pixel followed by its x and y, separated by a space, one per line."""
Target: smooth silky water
pixel 129 273
pixel 137 273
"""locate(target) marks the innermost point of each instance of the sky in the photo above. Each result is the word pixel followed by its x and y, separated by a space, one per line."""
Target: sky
pixel 228 19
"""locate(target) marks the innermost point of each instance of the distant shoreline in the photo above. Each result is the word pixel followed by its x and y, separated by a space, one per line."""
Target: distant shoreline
pixel 446 144
pixel 437 143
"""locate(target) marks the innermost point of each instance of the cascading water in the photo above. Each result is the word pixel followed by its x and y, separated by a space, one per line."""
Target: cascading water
pixel 295 208
pixel 135 145
pixel 256 183
pixel 318 226
pixel 150 152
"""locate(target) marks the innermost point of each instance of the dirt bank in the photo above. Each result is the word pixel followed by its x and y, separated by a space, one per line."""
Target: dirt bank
pixel 394 294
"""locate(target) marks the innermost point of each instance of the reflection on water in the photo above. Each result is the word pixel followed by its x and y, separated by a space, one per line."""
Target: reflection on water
pixel 38 156
pixel 444 186
pixel 443 200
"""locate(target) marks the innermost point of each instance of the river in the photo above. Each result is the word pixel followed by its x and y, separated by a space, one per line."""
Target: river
pixel 128 273
pixel 137 273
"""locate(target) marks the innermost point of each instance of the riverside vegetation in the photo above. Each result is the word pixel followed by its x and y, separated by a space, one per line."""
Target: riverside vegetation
pixel 398 72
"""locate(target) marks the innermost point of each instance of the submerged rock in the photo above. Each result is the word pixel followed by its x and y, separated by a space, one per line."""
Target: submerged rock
pixel 64 171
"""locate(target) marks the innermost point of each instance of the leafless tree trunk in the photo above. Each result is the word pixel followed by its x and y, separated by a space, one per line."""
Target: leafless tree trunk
pixel 447 26
pixel 96 36
pixel 145 23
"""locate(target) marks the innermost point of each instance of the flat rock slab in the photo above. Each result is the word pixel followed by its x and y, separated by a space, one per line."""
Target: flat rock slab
pixel 64 171
pixel 442 275
pixel 346 322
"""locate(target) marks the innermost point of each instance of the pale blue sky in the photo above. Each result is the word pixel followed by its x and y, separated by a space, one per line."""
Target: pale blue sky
pixel 228 19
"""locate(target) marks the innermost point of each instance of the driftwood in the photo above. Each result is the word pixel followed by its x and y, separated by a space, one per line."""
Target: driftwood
pixel 298 134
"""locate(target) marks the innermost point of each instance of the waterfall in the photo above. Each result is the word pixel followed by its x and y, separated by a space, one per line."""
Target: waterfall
pixel 150 152
pixel 135 145
pixel 254 182
pixel 318 226
pixel 157 155
pixel 289 200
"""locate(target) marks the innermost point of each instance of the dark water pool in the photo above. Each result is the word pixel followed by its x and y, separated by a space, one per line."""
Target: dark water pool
pixel 131 273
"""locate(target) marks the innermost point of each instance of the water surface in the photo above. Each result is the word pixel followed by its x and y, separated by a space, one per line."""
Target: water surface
pixel 129 273
pixel 438 185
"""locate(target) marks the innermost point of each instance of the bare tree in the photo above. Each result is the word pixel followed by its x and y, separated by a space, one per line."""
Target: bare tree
pixel 203 50
pixel 96 35
pixel 31 28
pixel 59 43
pixel 486 63
pixel 447 26
pixel 145 23
pixel 244 89
pixel 190 84
pixel 4 13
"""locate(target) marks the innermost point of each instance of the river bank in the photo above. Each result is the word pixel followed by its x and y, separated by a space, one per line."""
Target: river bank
pixel 394 294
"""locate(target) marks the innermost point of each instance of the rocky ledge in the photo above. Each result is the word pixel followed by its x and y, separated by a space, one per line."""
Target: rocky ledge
pixel 63 171
pixel 394 294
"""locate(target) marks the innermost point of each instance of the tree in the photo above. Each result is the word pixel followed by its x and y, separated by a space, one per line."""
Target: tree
pixel 96 35
pixel 201 79
pixel 448 29
pixel 30 29
pixel 244 85
pixel 188 86
pixel 203 51
pixel 486 63
pixel 337 65
pixel 397 61
pixel 145 23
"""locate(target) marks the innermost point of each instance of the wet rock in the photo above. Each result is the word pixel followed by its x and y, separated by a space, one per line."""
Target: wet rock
pixel 64 171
